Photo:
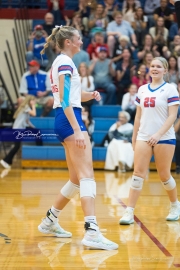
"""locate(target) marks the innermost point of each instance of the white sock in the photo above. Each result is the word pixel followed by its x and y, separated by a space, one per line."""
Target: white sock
pixel 55 211
pixel 52 215
pixel 176 203
pixel 90 219
pixel 130 208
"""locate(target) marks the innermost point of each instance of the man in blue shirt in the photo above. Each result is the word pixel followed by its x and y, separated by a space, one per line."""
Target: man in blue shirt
pixel 117 28
pixel 37 83
pixel 35 45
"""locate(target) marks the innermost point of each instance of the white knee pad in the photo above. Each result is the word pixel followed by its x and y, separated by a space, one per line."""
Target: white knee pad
pixel 69 190
pixel 137 182
pixel 87 188
pixel 169 184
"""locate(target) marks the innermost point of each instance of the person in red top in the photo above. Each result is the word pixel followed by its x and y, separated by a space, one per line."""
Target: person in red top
pixel 141 77
pixel 98 41
pixel 55 7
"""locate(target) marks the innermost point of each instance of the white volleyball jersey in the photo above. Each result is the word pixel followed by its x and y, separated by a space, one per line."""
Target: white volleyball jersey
pixel 154 104
pixel 63 64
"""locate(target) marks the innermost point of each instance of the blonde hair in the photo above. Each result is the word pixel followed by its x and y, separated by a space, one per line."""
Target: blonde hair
pixel 21 107
pixel 165 66
pixel 60 34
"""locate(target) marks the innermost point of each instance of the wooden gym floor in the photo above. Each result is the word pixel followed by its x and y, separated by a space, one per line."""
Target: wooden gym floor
pixel 26 195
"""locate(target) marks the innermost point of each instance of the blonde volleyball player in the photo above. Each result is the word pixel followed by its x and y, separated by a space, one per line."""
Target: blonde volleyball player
pixel 66 88
pixel 157 105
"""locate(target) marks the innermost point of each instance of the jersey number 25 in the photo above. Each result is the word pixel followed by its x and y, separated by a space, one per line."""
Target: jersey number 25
pixel 149 102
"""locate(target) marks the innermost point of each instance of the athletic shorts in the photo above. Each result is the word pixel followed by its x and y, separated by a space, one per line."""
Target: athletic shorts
pixel 62 126
pixel 171 141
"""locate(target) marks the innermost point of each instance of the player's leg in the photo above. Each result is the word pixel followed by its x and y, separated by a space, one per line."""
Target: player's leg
pixel 163 154
pixel 82 163
pixel 70 189
pixel 142 156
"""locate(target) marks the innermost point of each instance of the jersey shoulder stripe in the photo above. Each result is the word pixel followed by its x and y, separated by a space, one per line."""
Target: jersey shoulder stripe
pixel 173 99
pixel 137 100
pixel 65 68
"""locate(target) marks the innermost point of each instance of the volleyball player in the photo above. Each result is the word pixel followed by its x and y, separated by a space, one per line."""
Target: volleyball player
pixel 157 105
pixel 66 88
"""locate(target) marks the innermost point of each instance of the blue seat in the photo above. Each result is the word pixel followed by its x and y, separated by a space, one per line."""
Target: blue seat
pixel 110 111
pixel 71 4
pixel 43 122
pixel 102 124
pixel 98 136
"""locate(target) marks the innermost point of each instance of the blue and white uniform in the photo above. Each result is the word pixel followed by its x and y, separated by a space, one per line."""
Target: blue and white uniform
pixel 154 104
pixel 63 65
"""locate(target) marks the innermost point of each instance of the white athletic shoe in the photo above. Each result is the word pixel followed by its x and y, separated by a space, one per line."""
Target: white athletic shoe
pixel 127 218
pixel 94 239
pixel 5 164
pixel 53 228
pixel 174 213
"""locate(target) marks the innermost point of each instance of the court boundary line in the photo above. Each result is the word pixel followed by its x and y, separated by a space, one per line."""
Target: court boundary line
pixel 150 235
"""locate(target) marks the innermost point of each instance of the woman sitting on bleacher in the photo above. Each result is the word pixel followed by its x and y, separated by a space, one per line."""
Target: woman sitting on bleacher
pixel 120 152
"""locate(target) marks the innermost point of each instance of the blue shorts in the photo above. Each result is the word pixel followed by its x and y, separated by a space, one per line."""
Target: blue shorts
pixel 171 141
pixel 62 126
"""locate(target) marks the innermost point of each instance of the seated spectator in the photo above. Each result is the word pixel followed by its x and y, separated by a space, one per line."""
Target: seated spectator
pixel 141 77
pixel 35 45
pixel 48 24
pixel 88 121
pixel 139 24
pixel 55 7
pixel 123 43
pixel 97 41
pixel 177 149
pixel 128 101
pixel 125 3
pixel 129 11
pixel 98 21
pixel 174 44
pixel 117 28
pixel 36 82
pixel 110 7
pixel 173 31
pixel 52 51
pixel 87 81
pixel 120 152
pixel 159 34
pixel 76 22
pixel 149 7
pixel 173 70
pixel 80 57
pixel 165 12
pixel 124 70
pixel 147 62
pixel 85 12
pixel 103 71
pixel 148 47
pixel 26 109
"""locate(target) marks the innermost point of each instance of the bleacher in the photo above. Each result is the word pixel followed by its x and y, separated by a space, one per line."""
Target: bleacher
pixel 51 154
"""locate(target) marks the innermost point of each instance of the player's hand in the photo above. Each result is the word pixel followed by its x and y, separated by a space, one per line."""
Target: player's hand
pixel 96 95
pixel 79 139
pixel 154 139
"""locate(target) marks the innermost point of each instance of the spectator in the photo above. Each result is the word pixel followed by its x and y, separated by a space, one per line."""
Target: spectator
pixel 165 12
pixel 76 22
pixel 141 77
pixel 125 3
pixel 175 47
pixel 52 52
pixel 128 101
pixel 173 70
pixel 147 62
pixel 177 149
pixel 149 7
pixel 103 71
pixel 120 152
pixel 159 34
pixel 139 24
pixel 98 21
pixel 85 11
pixel 36 82
pixel 48 24
pixel 27 108
pixel 35 45
pixel 129 11
pixel 110 7
pixel 117 28
pixel 124 73
pixel 97 41
pixel 87 81
pixel 55 7
pixel 173 31
pixel 80 57
pixel 88 121
pixel 124 43
pixel 148 46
